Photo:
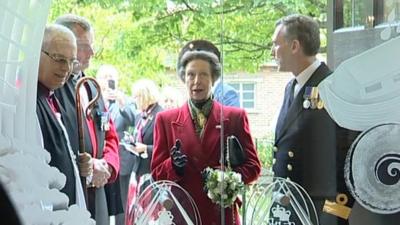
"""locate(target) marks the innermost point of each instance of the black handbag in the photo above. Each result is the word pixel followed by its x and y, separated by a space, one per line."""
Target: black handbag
pixel 235 155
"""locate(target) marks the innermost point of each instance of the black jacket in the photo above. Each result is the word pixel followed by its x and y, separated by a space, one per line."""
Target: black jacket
pixel 310 148
pixel 55 142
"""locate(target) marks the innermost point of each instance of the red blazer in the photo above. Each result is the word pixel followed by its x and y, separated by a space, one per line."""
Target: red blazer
pixel 205 152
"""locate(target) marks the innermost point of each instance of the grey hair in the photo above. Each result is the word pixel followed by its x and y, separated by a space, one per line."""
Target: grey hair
pixel 304 29
pixel 71 21
pixel 107 71
pixel 57 31
pixel 210 57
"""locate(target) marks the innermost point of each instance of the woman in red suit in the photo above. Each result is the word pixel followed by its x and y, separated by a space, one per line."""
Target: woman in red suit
pixel 197 125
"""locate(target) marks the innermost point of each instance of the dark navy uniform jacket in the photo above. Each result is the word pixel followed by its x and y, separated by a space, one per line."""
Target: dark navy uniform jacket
pixel 310 148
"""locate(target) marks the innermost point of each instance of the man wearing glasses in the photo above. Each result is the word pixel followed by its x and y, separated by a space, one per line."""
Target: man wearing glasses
pixel 57 59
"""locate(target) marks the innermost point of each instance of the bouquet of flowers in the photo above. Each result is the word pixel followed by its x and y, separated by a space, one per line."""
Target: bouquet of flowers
pixel 222 187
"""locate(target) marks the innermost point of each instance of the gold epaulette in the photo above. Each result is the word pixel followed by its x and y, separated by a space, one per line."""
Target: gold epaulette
pixel 339 207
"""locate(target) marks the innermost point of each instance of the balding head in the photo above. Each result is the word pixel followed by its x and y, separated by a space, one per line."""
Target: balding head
pixel 57 57
pixel 56 32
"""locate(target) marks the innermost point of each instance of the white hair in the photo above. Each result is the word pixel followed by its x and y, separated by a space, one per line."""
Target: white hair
pixel 57 32
pixel 106 72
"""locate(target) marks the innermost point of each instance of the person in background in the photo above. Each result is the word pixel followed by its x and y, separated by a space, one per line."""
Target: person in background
pixel 310 148
pixel 171 98
pixel 123 114
pixel 57 59
pixel 107 77
pixel 100 136
pixel 121 110
pixel 146 95
pixel 226 94
pixel 187 139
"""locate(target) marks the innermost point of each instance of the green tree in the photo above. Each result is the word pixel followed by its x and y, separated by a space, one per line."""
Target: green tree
pixel 142 38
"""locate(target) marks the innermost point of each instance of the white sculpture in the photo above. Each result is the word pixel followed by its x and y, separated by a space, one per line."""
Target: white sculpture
pixel 32 184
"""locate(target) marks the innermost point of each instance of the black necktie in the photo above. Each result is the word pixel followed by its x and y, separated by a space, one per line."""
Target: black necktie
pixel 291 93
pixel 288 99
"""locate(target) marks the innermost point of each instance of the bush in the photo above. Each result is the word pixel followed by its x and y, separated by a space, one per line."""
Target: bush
pixel 264 148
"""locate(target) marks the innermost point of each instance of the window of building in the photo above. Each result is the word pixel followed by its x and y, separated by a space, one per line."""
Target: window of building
pixel 246 92
pixel 391 11
pixel 365 13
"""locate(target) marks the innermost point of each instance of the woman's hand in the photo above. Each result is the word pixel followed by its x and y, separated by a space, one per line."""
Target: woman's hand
pixel 137 148
pixel 178 159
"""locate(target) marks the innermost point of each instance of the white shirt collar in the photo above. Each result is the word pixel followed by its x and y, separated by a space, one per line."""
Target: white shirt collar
pixel 305 75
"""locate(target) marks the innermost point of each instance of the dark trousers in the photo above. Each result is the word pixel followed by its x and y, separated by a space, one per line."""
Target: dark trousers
pixel 124 185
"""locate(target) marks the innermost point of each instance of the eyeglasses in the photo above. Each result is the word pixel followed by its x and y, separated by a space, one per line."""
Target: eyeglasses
pixel 72 63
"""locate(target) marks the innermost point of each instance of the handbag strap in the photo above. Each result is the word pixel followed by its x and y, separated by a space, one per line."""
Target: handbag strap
pixel 227 153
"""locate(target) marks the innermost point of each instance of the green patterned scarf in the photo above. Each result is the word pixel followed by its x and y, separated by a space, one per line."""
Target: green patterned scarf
pixel 199 113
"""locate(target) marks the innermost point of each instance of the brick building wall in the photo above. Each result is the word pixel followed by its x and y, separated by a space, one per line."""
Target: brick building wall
pixel 269 92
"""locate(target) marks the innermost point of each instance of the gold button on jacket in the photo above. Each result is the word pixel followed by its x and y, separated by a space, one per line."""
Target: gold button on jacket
pixel 289 167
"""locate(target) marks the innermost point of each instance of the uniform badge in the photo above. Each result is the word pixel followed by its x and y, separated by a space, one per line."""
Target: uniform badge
pixel 314 97
pixel 320 104
pixel 307 97
pixel 311 98
pixel 306 104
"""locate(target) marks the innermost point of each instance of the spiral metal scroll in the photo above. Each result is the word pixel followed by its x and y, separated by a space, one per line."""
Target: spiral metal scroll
pixel 372 169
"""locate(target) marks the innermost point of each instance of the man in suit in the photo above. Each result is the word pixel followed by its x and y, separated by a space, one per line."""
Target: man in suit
pixel 57 58
pixel 310 147
pixel 100 137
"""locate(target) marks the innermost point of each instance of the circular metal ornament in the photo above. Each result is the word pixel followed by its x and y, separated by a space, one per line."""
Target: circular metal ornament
pixel 372 168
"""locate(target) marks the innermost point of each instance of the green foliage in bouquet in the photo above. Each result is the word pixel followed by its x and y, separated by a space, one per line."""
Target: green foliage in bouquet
pixel 222 187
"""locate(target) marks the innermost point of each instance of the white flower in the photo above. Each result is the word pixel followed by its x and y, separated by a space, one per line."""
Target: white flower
pixel 210 195
pixel 228 182
pixel 220 175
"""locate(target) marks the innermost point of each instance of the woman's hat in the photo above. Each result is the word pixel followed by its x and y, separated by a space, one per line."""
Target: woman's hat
pixel 199 45
pixel 197 48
